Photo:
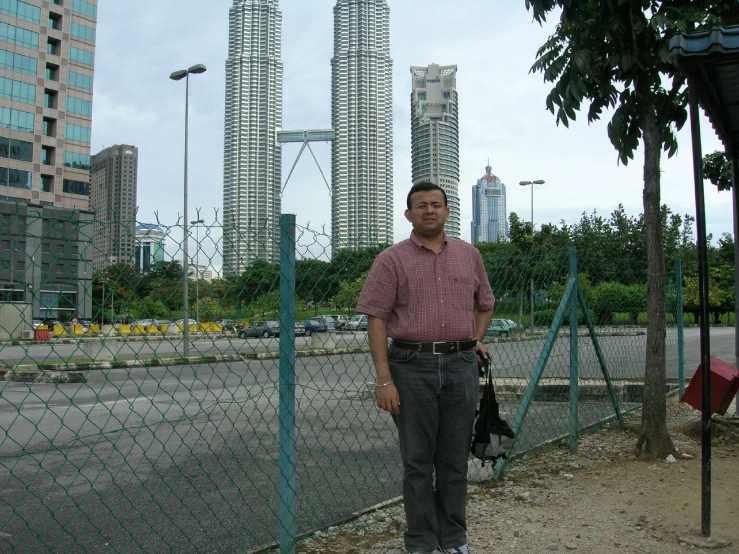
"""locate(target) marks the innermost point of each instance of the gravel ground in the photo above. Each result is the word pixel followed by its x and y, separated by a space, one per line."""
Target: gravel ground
pixel 600 500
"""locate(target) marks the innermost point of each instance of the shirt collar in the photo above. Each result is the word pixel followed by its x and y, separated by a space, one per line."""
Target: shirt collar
pixel 417 242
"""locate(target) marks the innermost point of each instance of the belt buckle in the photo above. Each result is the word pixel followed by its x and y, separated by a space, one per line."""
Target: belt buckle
pixel 433 348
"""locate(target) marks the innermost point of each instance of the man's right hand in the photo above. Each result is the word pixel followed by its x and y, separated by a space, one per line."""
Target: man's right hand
pixel 388 399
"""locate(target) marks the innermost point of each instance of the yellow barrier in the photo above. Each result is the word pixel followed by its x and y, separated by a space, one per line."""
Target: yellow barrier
pixel 164 327
pixel 124 329
pixel 93 329
pixel 191 327
pixel 59 330
pixel 76 330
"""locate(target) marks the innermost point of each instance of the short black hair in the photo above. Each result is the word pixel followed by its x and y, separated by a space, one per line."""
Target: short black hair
pixel 424 186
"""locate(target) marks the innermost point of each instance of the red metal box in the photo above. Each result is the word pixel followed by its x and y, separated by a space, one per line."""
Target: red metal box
pixel 724 386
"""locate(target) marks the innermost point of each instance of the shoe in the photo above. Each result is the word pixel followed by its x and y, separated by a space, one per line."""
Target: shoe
pixel 464 549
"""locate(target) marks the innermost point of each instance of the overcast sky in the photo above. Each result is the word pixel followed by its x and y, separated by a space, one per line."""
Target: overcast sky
pixel 501 106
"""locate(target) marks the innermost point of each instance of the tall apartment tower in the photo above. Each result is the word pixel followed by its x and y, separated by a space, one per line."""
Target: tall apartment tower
pixel 113 199
pixel 435 134
pixel 489 214
pixel 252 158
pixel 47 58
pixel 362 117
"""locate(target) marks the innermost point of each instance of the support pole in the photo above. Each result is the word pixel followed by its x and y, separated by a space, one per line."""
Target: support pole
pixel 680 333
pixel 574 408
pixel 287 384
pixel 705 339
pixel 735 197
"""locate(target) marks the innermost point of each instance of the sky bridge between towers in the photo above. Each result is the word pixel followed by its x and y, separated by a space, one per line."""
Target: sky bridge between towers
pixel 306 137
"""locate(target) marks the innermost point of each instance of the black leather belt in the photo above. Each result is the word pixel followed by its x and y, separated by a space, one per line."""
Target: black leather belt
pixel 443 347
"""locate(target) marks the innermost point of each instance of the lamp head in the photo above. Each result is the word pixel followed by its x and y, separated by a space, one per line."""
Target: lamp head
pixel 539 182
pixel 524 183
pixel 177 75
pixel 197 68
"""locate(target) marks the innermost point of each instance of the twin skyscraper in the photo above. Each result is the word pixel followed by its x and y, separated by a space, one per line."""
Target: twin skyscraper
pixel 361 116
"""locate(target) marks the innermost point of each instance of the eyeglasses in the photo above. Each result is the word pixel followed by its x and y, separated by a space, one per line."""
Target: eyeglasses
pixel 422 207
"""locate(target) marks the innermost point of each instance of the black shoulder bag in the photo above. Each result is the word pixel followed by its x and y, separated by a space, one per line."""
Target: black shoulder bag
pixel 493 437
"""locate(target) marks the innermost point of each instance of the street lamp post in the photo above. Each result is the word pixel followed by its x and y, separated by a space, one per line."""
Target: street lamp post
pixel 197 223
pixel 176 76
pixel 531 184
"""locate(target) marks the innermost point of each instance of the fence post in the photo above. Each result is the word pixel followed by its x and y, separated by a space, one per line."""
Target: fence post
pixel 680 336
pixel 573 353
pixel 287 384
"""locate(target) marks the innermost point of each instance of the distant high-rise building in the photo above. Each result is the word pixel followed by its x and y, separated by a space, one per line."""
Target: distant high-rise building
pixel 362 116
pixel 47 58
pixel 489 215
pixel 150 241
pixel 113 199
pixel 435 134
pixel 252 159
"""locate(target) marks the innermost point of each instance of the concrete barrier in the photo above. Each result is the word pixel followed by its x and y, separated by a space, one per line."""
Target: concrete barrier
pixel 76 329
pixel 101 350
pixel 124 329
pixel 93 329
pixel 59 331
pixel 107 330
pixel 323 340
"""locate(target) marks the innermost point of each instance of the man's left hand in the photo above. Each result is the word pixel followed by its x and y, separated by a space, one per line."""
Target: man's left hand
pixel 482 354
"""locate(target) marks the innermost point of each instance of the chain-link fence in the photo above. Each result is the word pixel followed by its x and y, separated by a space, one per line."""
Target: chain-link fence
pixel 113 438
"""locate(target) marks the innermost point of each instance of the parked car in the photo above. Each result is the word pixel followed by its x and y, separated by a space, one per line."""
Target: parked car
pixel 328 321
pixel 314 326
pixel 499 328
pixel 160 323
pixel 264 329
pixel 51 321
pixel 144 322
pixel 229 324
pixel 340 321
pixel 358 323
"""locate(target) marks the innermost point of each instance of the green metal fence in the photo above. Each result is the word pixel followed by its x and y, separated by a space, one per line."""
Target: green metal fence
pixel 111 439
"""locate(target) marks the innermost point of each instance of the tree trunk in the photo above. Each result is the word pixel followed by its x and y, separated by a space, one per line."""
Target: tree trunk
pixel 520 309
pixel 654 440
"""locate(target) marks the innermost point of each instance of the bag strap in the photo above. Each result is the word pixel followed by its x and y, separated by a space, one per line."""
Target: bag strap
pixel 489 392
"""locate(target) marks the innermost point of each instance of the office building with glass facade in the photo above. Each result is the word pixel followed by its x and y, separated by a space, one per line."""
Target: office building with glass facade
pixel 47 59
pixel 252 158
pixel 362 118
pixel 489 215
pixel 435 134
pixel 113 200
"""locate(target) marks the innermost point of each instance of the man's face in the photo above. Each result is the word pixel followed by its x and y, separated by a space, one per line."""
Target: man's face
pixel 428 213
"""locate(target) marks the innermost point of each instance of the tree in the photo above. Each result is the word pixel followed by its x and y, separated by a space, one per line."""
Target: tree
pixel 614 54
pixel 348 295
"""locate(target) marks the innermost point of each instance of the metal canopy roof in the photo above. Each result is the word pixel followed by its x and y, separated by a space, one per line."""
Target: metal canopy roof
pixel 711 61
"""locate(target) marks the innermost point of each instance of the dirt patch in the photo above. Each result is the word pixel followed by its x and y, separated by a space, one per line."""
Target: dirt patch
pixel 600 500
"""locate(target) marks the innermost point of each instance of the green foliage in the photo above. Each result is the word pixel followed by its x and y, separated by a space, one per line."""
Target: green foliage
pixel 717 169
pixel 348 296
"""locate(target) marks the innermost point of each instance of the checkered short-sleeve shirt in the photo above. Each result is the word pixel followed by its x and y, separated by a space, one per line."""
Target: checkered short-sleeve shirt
pixel 423 296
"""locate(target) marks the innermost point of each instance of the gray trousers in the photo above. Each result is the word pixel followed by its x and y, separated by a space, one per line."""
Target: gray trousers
pixel 438 398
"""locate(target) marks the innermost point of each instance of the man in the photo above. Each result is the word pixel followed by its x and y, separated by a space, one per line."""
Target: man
pixel 431 295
